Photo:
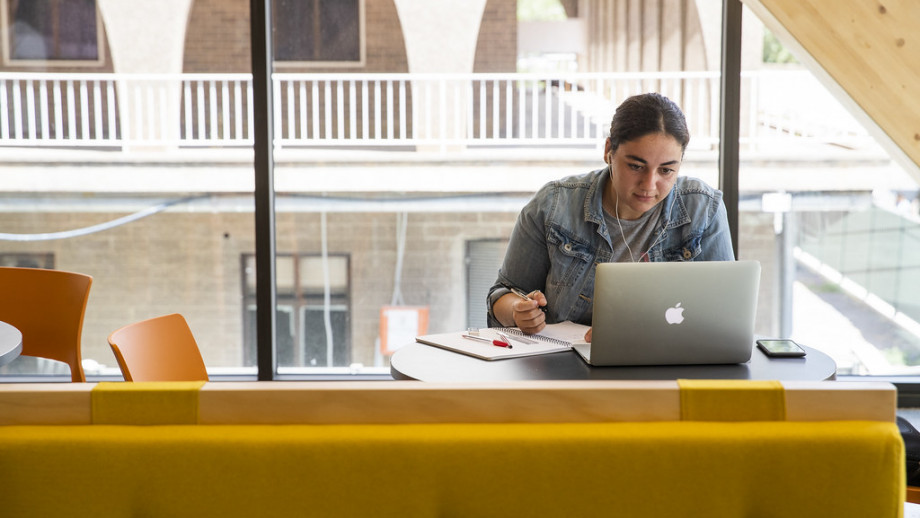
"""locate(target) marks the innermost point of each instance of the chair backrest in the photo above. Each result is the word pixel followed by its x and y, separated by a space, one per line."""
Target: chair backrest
pixel 47 306
pixel 158 349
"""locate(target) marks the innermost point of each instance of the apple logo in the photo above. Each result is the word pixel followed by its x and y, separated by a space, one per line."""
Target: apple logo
pixel 674 315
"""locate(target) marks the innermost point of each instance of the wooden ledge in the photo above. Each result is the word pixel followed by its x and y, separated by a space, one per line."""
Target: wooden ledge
pixel 331 402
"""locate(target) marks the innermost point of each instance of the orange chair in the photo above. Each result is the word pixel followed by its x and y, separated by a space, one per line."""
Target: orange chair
pixel 47 306
pixel 158 349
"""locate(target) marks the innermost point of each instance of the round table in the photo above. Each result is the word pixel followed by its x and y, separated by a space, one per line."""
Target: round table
pixel 426 363
pixel 10 343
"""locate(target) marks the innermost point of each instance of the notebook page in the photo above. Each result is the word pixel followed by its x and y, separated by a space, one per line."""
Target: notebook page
pixel 566 331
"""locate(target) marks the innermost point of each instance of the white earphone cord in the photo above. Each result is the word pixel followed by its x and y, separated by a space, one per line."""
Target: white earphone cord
pixel 616 209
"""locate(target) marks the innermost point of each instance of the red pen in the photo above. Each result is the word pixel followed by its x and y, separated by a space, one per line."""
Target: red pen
pixel 486 340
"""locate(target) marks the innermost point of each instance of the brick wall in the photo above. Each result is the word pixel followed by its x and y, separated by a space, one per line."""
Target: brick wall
pixel 433 272
pixel 497 45
pixel 217 38
pixel 191 263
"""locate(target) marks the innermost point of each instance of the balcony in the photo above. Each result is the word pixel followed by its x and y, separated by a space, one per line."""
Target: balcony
pixel 394 111
pixel 458 124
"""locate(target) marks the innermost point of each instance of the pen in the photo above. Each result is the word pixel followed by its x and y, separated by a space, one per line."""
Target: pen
pixel 518 338
pixel 525 296
pixel 486 340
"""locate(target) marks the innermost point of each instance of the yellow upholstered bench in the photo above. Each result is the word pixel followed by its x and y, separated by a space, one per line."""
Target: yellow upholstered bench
pixel 644 449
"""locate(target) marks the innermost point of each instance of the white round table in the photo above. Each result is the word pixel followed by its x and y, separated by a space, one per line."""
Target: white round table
pixel 10 343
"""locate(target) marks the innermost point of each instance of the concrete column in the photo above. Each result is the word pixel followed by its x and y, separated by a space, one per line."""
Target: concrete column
pixel 441 36
pixel 147 37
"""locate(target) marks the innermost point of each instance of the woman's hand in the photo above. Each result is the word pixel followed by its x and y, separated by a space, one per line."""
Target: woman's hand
pixel 527 313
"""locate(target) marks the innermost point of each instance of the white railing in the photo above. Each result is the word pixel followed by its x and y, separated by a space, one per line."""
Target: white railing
pixel 792 103
pixel 117 110
pixel 390 110
pixel 473 109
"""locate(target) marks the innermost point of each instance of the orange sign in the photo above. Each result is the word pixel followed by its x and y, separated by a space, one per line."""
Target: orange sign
pixel 399 325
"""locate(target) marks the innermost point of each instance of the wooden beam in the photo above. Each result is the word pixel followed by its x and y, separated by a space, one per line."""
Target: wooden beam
pixel 867 54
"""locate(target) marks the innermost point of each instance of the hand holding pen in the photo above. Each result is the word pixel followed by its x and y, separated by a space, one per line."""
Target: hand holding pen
pixel 530 312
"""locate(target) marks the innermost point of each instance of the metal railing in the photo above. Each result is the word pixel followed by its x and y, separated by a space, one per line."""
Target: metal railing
pixel 391 110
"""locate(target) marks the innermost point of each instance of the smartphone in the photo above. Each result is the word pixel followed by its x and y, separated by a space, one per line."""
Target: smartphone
pixel 781 348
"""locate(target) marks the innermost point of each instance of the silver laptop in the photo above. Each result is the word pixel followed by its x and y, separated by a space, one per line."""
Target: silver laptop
pixel 673 313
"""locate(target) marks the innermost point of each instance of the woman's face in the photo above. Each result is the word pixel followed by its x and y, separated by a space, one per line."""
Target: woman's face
pixel 642 172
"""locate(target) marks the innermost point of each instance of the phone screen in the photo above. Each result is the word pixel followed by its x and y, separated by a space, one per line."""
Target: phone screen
pixel 780 348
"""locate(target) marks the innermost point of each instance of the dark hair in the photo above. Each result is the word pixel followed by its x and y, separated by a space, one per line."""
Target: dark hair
pixel 644 114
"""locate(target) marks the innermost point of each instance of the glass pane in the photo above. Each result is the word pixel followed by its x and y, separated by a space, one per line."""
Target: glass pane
pixel 134 167
pixel 52 30
pixel 484 258
pixel 437 140
pixel 325 344
pixel 316 30
pixel 294 26
pixel 312 312
pixel 340 30
pixel 830 215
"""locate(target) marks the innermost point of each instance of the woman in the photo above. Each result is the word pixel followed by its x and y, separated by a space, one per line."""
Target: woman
pixel 634 209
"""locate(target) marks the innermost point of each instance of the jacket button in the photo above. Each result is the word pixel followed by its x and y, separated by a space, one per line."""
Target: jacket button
pixel 568 247
pixel 687 254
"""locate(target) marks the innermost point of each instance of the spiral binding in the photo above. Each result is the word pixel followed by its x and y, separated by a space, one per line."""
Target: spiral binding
pixel 517 332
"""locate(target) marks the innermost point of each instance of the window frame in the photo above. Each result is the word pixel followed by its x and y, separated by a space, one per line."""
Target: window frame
pixel 8 60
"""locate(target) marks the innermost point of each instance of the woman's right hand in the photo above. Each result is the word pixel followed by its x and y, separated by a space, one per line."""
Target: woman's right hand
pixel 527 313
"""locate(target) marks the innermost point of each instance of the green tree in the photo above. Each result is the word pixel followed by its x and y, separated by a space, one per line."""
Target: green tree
pixel 774 51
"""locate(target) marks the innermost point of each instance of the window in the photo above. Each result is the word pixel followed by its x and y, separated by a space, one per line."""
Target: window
pixel 317 30
pixel 150 249
pixel 25 260
pixel 310 333
pixel 483 259
pixel 52 30
pixel 164 222
pixel 839 256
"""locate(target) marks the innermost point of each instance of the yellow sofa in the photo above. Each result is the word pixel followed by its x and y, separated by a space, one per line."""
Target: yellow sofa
pixel 607 448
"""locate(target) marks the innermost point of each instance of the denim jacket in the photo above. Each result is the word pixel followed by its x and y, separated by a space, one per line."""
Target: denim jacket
pixel 560 236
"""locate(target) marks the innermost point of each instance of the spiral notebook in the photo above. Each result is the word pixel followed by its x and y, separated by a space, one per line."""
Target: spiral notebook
pixel 553 338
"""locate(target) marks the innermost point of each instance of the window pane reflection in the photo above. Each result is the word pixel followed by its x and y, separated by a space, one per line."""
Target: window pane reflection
pixel 830 215
pixel 127 156
pixel 415 162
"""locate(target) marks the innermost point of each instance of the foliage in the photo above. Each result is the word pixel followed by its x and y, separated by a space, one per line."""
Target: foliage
pixel 774 51
pixel 540 10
